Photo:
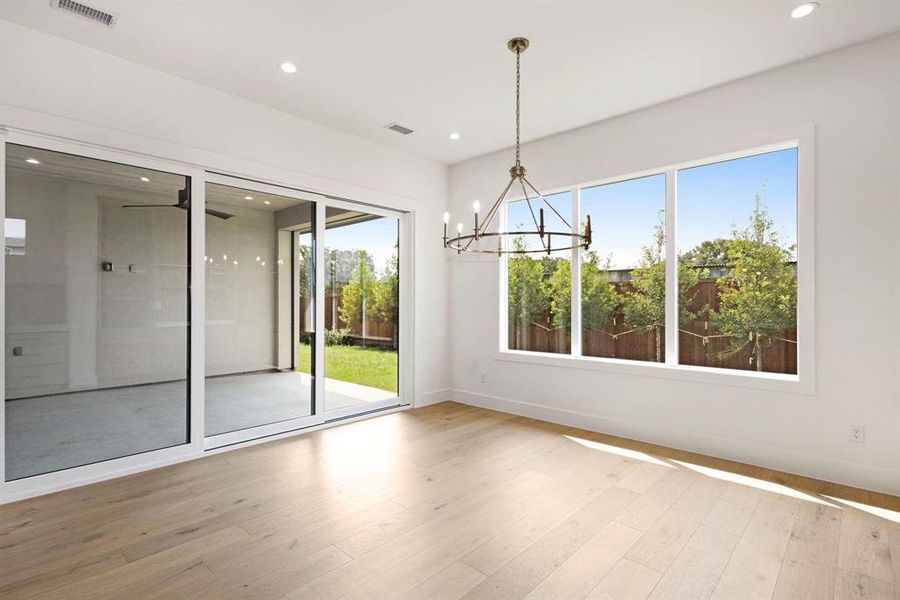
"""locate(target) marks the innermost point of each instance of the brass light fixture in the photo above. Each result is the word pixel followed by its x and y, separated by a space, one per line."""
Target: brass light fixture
pixel 486 241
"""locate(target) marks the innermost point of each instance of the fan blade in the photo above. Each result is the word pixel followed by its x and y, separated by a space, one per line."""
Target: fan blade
pixel 150 206
pixel 217 213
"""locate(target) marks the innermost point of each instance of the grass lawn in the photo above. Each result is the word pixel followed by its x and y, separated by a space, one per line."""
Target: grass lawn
pixel 366 366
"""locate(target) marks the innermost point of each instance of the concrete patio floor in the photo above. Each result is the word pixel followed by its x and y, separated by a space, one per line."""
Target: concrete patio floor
pixel 49 433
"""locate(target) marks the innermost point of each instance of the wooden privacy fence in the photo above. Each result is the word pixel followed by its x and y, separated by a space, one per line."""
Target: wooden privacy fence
pixel 700 342
pixel 377 333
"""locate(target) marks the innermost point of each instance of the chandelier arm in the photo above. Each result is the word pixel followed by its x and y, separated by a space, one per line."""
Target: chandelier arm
pixel 496 207
pixel 494 210
pixel 547 202
pixel 457 243
pixel 531 210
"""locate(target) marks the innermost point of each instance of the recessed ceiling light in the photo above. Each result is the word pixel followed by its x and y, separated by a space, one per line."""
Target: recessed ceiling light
pixel 454 136
pixel 287 66
pixel 145 179
pixel 266 202
pixel 248 197
pixel 804 10
pixel 32 161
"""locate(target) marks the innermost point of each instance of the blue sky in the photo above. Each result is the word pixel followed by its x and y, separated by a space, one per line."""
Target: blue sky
pixel 711 199
pixel 377 237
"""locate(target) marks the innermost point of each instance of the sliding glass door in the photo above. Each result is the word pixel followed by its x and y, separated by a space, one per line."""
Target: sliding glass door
pixel 110 258
pixel 260 312
pixel 96 310
pixel 362 311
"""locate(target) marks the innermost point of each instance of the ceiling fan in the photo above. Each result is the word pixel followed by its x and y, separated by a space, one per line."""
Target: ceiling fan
pixel 184 202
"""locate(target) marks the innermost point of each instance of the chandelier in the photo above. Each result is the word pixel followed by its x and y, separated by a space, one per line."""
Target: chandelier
pixel 540 239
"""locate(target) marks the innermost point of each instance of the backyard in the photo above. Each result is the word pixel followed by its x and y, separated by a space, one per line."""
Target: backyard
pixel 373 367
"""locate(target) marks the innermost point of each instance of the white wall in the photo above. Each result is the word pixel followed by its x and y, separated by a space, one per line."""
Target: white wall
pixel 78 327
pixel 91 96
pixel 241 299
pixel 853 99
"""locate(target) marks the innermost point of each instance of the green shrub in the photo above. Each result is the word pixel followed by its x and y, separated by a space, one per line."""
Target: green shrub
pixel 337 337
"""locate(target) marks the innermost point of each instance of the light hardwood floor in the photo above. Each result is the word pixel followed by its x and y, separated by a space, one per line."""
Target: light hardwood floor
pixel 452 501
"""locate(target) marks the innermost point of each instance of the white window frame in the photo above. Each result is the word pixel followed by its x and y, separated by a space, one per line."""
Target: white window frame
pixel 803 382
pixel 200 445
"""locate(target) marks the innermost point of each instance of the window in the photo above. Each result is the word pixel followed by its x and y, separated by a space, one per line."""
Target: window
pixel 737 238
pixel 623 275
pixel 14 231
pixel 733 226
pixel 539 283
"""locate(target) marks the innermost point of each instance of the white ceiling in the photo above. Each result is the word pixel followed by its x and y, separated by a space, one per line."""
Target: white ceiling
pixel 443 66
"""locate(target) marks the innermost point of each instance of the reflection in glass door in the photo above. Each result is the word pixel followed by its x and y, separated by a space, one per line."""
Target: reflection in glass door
pixel 260 301
pixel 97 322
pixel 362 303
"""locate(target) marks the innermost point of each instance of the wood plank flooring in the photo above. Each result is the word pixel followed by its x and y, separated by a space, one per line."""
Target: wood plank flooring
pixel 449 502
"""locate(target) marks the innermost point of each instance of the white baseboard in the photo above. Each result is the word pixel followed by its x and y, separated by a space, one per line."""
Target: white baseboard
pixel 432 397
pixel 827 469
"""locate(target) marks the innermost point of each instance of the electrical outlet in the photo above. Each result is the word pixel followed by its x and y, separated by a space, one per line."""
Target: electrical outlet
pixel 858 434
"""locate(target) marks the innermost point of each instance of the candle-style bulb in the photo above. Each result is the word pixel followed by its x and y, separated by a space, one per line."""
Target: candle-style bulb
pixel 459 227
pixel 446 218
pixel 476 206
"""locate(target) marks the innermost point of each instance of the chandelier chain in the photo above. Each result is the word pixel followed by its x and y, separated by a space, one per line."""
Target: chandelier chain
pixel 518 83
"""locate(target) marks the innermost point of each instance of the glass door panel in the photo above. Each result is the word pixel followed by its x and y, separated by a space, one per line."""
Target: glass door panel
pixel 259 309
pixel 97 321
pixel 361 311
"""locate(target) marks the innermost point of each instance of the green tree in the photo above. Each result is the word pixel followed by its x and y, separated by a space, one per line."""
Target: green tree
pixel 385 295
pixel 527 294
pixel 758 297
pixel 559 292
pixel 304 270
pixel 708 252
pixel 599 299
pixel 357 292
pixel 645 304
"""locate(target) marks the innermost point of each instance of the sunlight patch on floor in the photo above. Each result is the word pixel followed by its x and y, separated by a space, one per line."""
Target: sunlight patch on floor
pixel 882 513
pixel 760 484
pixel 634 454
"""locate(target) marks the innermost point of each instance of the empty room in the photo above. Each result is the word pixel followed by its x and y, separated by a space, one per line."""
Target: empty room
pixel 436 300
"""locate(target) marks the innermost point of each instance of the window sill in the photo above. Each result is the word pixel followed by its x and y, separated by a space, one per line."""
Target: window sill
pixel 776 382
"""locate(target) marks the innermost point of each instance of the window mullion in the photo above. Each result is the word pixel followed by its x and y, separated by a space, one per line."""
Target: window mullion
pixel 575 311
pixel 671 257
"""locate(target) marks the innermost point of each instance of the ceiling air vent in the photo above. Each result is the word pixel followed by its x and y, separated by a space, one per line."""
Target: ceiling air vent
pixel 399 128
pixel 83 10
